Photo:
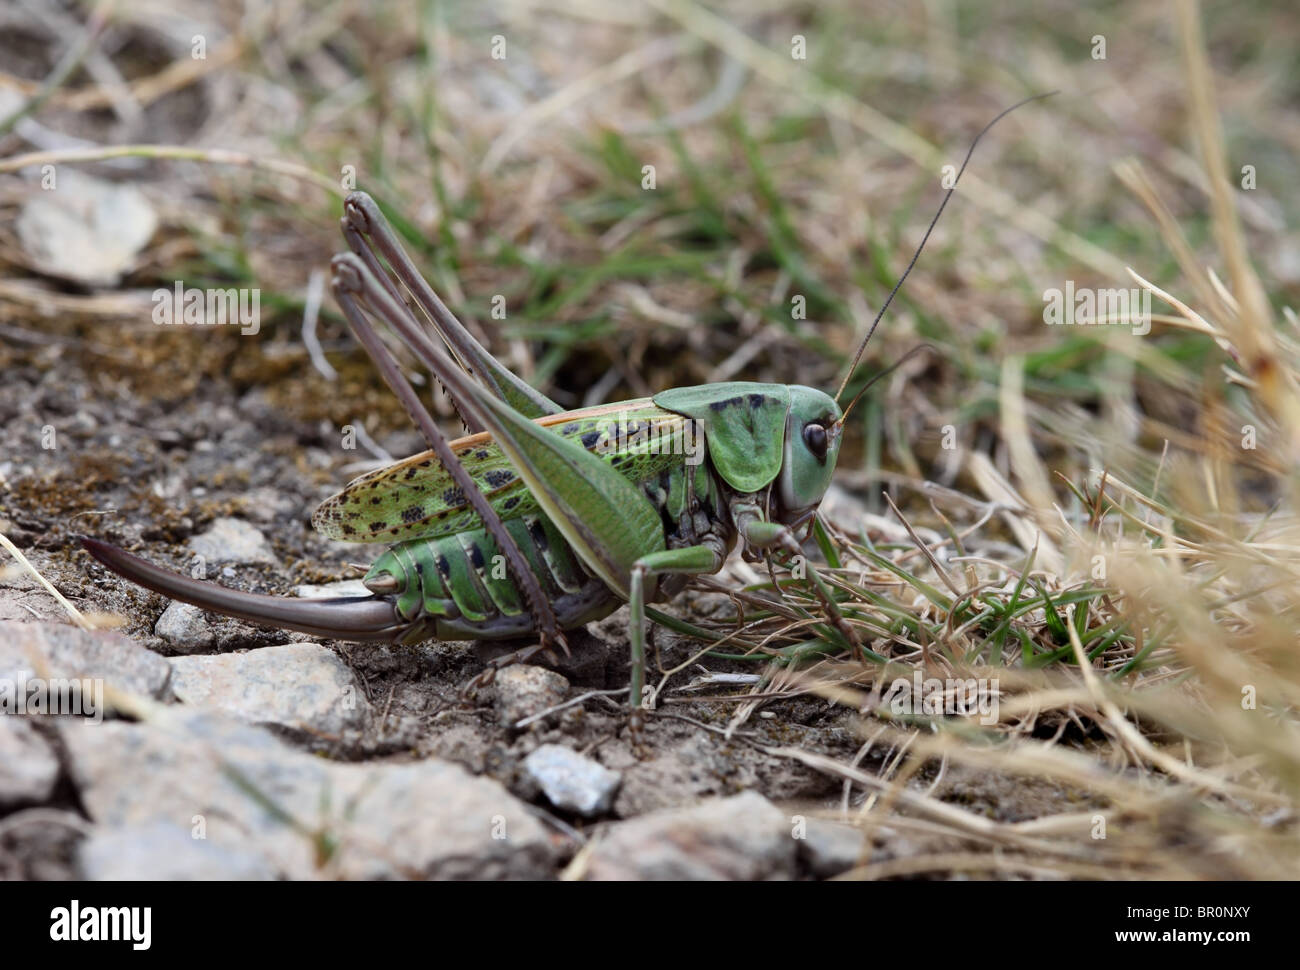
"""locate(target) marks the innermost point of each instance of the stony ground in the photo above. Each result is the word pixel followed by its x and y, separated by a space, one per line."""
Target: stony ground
pixel 238 751
pixel 293 757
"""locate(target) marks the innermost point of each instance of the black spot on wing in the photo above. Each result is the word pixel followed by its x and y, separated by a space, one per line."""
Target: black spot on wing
pixel 413 513
pixel 453 497
pixel 497 478
pixel 725 403
pixel 590 438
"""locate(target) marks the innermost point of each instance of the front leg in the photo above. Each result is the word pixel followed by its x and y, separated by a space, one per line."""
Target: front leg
pixel 690 560
pixel 757 532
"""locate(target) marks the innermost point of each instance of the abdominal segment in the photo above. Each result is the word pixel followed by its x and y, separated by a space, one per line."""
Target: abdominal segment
pixel 458 587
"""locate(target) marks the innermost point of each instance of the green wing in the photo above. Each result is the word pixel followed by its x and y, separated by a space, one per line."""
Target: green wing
pixel 416 498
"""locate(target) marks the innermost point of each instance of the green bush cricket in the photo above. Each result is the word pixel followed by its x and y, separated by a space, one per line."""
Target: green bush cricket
pixel 543 520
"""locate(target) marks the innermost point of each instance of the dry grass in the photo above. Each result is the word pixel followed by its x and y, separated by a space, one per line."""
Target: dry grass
pixel 1101 540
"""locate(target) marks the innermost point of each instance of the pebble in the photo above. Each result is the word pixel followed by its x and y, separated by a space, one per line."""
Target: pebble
pixel 523 690
pixel 90 231
pixel 572 782
pixel 186 627
pixel 741 837
pixel 232 540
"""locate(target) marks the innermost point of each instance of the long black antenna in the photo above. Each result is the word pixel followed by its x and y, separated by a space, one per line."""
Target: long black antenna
pixel 924 239
pixel 919 348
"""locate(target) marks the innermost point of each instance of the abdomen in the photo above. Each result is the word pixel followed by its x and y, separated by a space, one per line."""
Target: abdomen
pixel 458 587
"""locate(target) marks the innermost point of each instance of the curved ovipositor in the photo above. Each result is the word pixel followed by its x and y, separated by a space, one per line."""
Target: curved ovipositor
pixel 343 618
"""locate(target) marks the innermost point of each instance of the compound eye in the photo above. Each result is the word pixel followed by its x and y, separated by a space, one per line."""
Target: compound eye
pixel 814 436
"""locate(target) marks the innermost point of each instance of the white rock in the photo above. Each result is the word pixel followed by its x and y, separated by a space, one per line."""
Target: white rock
pixel 86 230
pixel 572 782
pixel 232 540
pixel 301 686
pixel 742 837
pixel 21 597
pixel 185 626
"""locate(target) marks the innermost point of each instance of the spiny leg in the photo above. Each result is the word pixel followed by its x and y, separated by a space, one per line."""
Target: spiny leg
pixel 365 226
pixel 759 533
pixel 417 339
pixel 691 560
pixel 352 280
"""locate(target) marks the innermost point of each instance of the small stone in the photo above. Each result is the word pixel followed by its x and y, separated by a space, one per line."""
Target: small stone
pixel 60 651
pixel 28 766
pixel 163 850
pixel 232 540
pixel 90 231
pixel 523 690
pixel 572 782
pixel 742 837
pixel 830 848
pixel 186 627
pixel 301 686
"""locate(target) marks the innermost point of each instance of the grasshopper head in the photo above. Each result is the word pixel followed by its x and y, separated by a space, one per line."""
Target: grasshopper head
pixel 812 444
